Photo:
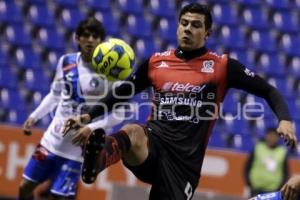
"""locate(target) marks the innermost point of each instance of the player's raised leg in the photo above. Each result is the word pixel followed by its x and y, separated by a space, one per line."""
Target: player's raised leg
pixel 130 143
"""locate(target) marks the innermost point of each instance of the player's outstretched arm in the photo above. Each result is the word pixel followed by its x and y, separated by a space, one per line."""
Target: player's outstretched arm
pixel 80 136
pixel 48 103
pixel 136 83
pixel 242 78
pixel 46 106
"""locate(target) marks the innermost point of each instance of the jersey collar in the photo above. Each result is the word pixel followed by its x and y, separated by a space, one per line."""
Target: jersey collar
pixel 190 54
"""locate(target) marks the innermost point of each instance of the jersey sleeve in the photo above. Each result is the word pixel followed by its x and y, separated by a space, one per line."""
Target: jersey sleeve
pixel 108 121
pixel 240 77
pixel 58 82
pixel 136 83
pixel 51 100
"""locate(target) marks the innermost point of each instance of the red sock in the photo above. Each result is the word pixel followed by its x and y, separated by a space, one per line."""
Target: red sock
pixel 115 145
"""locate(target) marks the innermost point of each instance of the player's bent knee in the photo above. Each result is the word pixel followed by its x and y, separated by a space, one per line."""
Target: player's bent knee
pixel 136 135
pixel 139 148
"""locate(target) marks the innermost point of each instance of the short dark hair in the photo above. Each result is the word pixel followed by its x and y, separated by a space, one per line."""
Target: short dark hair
pixel 91 24
pixel 201 9
pixel 271 130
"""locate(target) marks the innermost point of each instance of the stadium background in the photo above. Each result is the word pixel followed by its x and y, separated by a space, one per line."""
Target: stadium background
pixel 262 34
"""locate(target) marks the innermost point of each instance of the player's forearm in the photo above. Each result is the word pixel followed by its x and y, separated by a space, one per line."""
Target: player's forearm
pixel 278 104
pixel 109 121
pixel 135 84
pixel 238 78
pixel 47 105
pixel 120 94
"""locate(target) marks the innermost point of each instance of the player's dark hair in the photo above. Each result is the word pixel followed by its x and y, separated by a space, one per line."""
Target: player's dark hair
pixel 92 25
pixel 271 130
pixel 200 9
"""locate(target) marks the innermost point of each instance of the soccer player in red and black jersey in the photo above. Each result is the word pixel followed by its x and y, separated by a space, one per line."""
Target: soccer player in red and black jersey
pixel 189 84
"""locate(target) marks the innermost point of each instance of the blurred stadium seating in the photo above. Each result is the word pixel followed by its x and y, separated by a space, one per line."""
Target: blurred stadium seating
pixel 264 35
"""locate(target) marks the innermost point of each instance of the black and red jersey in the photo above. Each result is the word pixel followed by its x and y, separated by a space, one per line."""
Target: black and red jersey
pixel 188 88
pixel 186 99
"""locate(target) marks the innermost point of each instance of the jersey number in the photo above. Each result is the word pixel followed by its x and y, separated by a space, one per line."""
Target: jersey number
pixel 188 191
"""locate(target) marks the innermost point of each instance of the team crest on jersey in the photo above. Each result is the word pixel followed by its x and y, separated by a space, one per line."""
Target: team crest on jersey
pixel 94 83
pixel 208 66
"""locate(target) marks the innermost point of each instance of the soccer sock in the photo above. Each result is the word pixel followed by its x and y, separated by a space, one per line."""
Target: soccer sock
pixel 115 145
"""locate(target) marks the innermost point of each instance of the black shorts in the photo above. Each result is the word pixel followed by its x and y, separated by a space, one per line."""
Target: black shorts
pixel 170 179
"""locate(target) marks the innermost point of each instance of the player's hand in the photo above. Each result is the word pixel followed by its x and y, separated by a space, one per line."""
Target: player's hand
pixel 286 131
pixel 81 136
pixel 291 189
pixel 75 123
pixel 27 126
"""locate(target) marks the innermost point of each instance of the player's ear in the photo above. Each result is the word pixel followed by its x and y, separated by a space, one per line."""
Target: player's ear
pixel 208 33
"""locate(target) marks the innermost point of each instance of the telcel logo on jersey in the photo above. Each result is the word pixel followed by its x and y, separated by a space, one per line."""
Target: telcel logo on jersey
pixel 182 87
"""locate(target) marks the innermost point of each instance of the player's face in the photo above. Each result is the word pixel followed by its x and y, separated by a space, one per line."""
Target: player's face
pixel 191 33
pixel 88 42
pixel 272 139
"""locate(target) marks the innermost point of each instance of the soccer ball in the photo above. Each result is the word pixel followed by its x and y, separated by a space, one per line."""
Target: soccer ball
pixel 113 58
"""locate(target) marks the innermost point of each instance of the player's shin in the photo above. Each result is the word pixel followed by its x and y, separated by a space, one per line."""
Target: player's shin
pixel 115 146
